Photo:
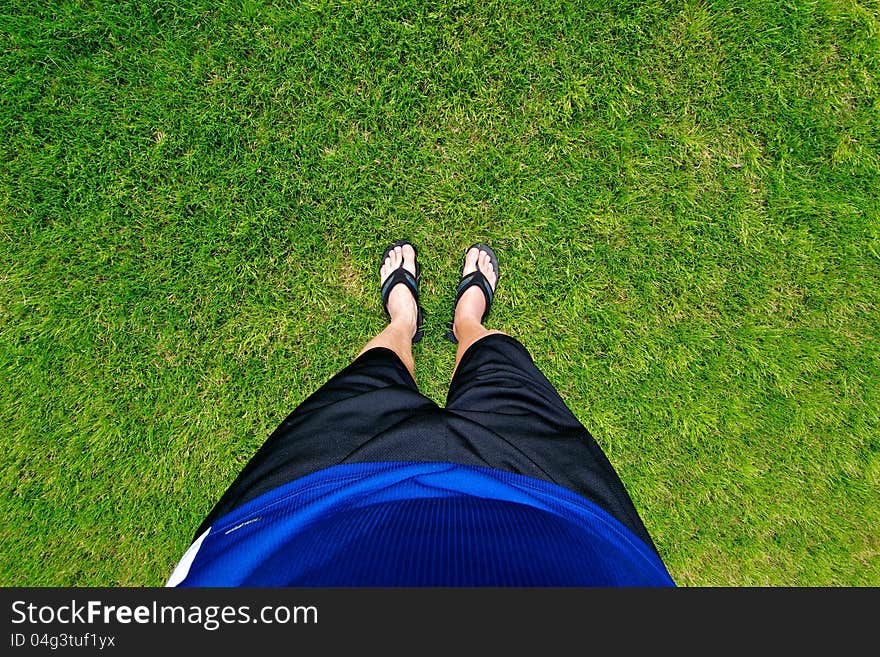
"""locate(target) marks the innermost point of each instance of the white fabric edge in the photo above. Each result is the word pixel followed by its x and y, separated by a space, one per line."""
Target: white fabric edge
pixel 183 566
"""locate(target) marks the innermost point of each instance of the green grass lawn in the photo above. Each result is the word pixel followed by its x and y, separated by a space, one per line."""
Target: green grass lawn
pixel 684 197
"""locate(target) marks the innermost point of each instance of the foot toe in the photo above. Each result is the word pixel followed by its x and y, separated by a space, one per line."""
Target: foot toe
pixel 470 261
pixel 408 254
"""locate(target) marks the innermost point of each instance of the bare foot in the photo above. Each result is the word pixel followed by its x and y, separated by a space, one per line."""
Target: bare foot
pixel 472 305
pixel 401 304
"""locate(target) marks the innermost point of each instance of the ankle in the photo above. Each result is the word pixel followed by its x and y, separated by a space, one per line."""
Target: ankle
pixel 464 325
pixel 404 325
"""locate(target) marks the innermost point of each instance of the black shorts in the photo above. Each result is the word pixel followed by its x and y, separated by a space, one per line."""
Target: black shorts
pixel 501 412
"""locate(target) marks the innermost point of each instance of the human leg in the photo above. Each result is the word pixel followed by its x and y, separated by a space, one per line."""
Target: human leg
pixel 496 385
pixel 402 309
pixel 468 318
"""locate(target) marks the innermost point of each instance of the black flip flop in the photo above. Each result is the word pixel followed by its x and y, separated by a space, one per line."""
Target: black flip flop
pixel 479 279
pixel 401 275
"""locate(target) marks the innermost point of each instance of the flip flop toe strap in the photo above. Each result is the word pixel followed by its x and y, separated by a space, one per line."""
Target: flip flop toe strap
pixel 399 275
pixel 479 279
